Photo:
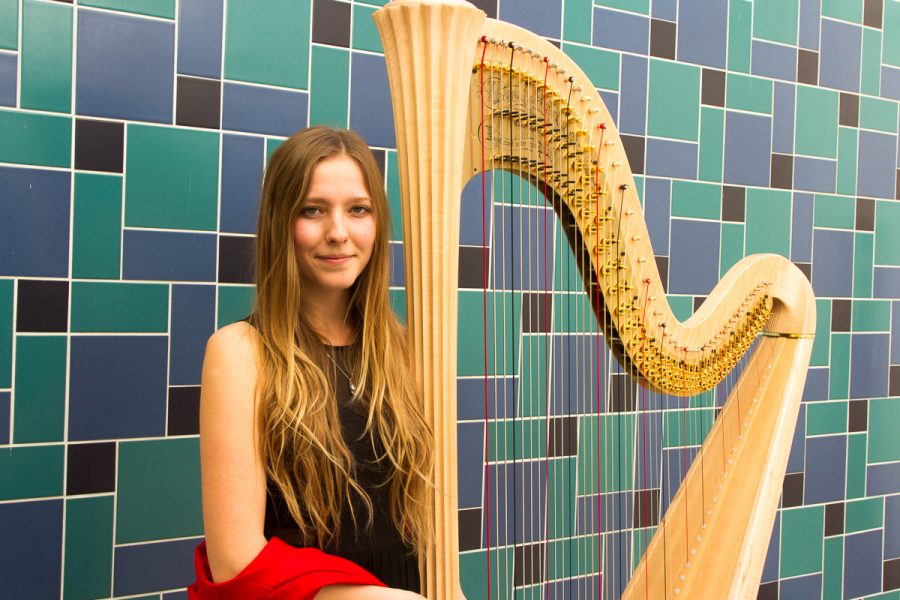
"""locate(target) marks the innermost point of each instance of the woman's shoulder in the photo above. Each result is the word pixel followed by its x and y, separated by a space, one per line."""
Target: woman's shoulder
pixel 233 346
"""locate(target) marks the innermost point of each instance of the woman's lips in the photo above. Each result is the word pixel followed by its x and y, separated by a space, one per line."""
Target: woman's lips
pixel 336 259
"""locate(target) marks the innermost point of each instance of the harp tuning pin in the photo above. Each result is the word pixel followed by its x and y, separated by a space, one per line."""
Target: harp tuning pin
pixel 652 298
pixel 630 211
pixel 618 163
pixel 637 238
pixel 484 39
pixel 642 259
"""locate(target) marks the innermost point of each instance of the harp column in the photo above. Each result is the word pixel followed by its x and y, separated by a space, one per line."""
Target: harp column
pixel 429 48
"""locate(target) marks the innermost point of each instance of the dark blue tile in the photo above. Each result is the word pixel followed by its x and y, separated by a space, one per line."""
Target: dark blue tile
pixel 840 55
pixel 169 255
pixel 892 527
pixel 876 175
pixel 9 75
pixel 617 546
pixel 200 37
pixel 621 31
pixel 516 489
pixel 657 208
pixel 694 261
pixel 826 460
pixel 862 564
pixel 124 399
pixel 674 466
pixel 470 463
pixel 151 567
pixel 257 109
pixel 182 595
pixel 398 266
pixel 470 397
pixel 810 14
pixel 668 158
pixel 797 457
pixel 802 227
pixel 869 365
pixel 124 67
pixel 573 385
pixel 472 213
pixel 747 149
pixel 510 268
pixel 814 174
pixel 665 9
pixel 770 567
pixel 890 82
pixel 611 100
pixel 801 588
pixel 816 385
pixel 371 114
pixel 4 417
pixel 543 17
pixel 895 339
pixel 31 549
pixel 832 263
pixel 633 95
pixel 649 424
pixel 242 167
pixel 34 222
pixel 783 118
pixel 774 60
pixel 574 587
pixel 702 32
pixel 193 321
pixel 883 479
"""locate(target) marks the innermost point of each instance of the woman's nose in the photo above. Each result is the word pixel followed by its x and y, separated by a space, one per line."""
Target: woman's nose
pixel 337 229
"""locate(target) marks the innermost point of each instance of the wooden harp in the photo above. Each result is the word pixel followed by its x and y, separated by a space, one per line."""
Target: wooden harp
pixel 712 540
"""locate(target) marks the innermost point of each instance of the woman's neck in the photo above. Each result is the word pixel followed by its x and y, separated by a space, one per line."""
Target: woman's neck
pixel 329 318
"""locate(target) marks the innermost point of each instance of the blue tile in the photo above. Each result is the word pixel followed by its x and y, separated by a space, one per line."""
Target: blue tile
pixel 747 149
pixel 169 255
pixel 657 208
pixel 510 269
pixel 126 398
pixel 516 489
pixel 649 424
pixel 470 463
pixel 840 55
pixel 8 78
pixel 242 168
pixel 862 564
pixel 633 95
pixel 869 365
pixel 665 9
pixel 182 595
pixel 674 465
pixel 797 457
pixel 770 567
pixel 895 339
pixel 573 587
pixel 470 397
pixel 801 588
pixel 876 174
pixel 4 417
pixel 621 31
pixel 814 174
pixel 892 527
pixel 774 60
pixel 398 267
pixel 543 17
pixel 266 110
pixel 200 37
pixel 694 261
pixel 616 546
pixel 668 158
pixel 124 67
pixel 611 100
pixel 471 212
pixel 702 32
pixel 810 14
pixel 832 263
pixel 783 118
pixel 193 321
pixel 802 227
pixel 890 82
pixel 30 548
pixel 151 567
pixel 883 479
pixel 34 222
pixel 816 385
pixel 826 465
pixel 371 114
pixel 573 387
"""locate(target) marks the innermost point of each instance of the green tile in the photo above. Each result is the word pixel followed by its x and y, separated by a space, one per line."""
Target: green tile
pixel 875 113
pixel 31 471
pixel 365 34
pixel 894 595
pixel 872 315
pixel 234 303
pixel 97 226
pixel 532 376
pixel 822 344
pixel 776 20
pixel 712 135
pixel 686 428
pixel 566 275
pixel 638 6
pixel 826 417
pixel 682 306
pixel 847 160
pixel 9 24
pixel 839 374
pixel 835 211
pixel 271 146
pixel 573 313
pixel 40 398
pixel 856 465
pixel 887 224
pixel 503 338
pixel 891 28
pixel 601 66
pixel 474 565
pixel 696 200
pixel 398 303
pixel 6 332
pixel 674 100
pixel 88 547
pixel 815 129
pixel 863 254
pixel 740 17
pixel 173 177
pixel 35 139
pixel 329 83
pixel 846 10
pixel 120 307
pixel 158 490
pixel 870 76
pixel 768 221
pixel 864 514
pixel 562 474
pixel 282 60
pixel 517 439
pixel 46 76
pixel 392 186
pixel 577 18
pixel 801 540
pixel 744 92
pixel 154 8
pixel 616 444
pixel 884 423
pixel 833 569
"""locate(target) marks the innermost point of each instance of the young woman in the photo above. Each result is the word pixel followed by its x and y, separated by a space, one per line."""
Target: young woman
pixel 315 456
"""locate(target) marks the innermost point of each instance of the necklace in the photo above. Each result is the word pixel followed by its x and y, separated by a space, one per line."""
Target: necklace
pixel 338 367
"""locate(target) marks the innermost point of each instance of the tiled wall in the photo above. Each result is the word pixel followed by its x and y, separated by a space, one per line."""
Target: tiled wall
pixel 132 137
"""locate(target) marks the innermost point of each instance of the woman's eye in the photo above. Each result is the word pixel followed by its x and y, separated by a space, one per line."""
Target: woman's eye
pixel 310 211
pixel 360 210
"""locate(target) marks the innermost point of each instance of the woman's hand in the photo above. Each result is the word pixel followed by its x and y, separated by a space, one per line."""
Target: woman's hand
pixel 364 592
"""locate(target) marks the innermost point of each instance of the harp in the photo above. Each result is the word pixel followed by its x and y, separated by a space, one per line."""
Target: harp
pixel 472 94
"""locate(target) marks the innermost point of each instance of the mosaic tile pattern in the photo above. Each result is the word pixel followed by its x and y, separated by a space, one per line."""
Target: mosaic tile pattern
pixel 134 136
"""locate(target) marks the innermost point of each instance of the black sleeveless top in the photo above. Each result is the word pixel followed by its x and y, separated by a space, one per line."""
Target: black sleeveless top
pixel 379 549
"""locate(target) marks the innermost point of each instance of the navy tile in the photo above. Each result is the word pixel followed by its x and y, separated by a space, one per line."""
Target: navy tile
pixel 124 67
pixel 257 109
pixel 30 548
pixel 808 586
pixel 242 167
pixel 34 222
pixel 125 399
pixel 197 102
pixel 694 261
pixel 611 100
pixel 890 82
pixel 810 14
pixel 236 259
pixel 633 95
pixel 470 397
pixel 770 567
pixel 398 266
pixel 616 546
pixel 166 255
pixel 9 74
pixel 665 9
pixel 668 158
pixel 182 595
pixel 862 564
pixel 887 283
pixel 621 31
pixel 193 321
pixel 883 479
pixel 816 385
pixel 516 489
pixel 802 227
pixel 840 55
pixel 702 29
pixel 543 17
pixel 657 208
pixel 331 23
pixel 371 114
pixel 814 174
pixel 783 118
pixel 649 443
pixel 797 456
pixel 471 213
pixel 470 460
pixel 832 263
pixel 869 365
pixel 892 527
pixel 150 567
pixel 747 148
pixel 774 60
pixel 826 460
pixel 509 268
pixel 876 176
pixel 674 465
pixel 200 37
pixel 573 389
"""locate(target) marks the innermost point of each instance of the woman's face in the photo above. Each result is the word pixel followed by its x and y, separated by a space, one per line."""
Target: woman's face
pixel 335 231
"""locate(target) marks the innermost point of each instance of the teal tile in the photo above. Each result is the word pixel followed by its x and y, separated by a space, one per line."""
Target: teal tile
pixel 740 18
pixel 120 307
pixel 616 444
pixel 6 332
pixel 365 34
pixel 893 595
pixel 601 66
pixel 845 10
pixel 856 465
pixel 46 76
pixel 272 145
pixel 517 439
pixel 234 303
pixel 398 303
pixel 173 178
pixel 745 92
pixel 283 59
pixel 503 316
pixel 864 514
pixel 870 76
pixel 474 564
pixel 891 37
pixel 97 226
pixel 878 114
pixel 329 81
pixel 673 107
pixel 776 20
pixel 884 423
pixel 821 351
pixel 801 540
pixel 153 8
pixel 637 6
pixel 158 490
pixel 88 547
pixel 9 24
pixel 834 211
pixel 816 125
pixel 839 373
pixel 871 315
pixel 686 428
pixel 863 255
pixel 373 2
pixel 682 306
pixel 712 136
pixel 833 569
pixel 847 159
pixel 572 313
pixel 732 248
pixel 696 200
pixel 768 221
pixel 577 18
pixel 40 398
pixel 532 375
pixel 35 139
pixel 826 417
pixel 887 224
pixel 31 472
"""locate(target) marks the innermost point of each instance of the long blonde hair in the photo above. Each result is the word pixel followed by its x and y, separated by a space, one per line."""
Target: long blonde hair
pixel 304 453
